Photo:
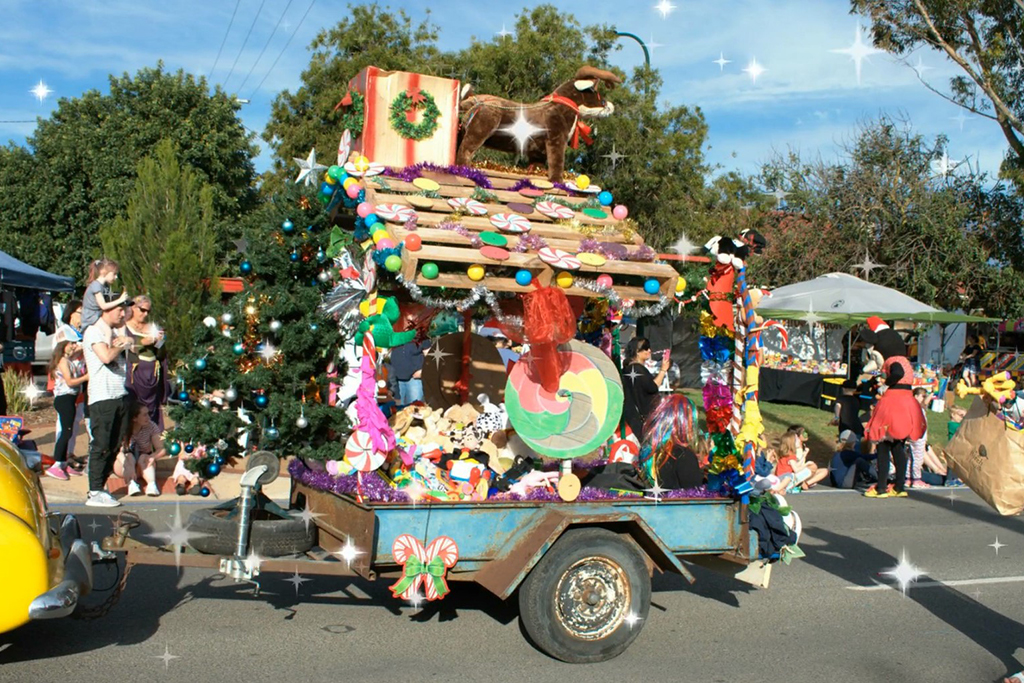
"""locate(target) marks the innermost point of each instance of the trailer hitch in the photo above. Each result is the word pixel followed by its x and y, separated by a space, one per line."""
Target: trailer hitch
pixel 238 567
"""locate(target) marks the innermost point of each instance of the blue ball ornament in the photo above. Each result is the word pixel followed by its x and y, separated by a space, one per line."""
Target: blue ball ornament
pixel 294 256
pixel 287 227
pixel 271 433
pixel 204 492
pixel 262 400
pixel 212 470
pixel 238 349
pixel 200 364
pixel 189 448
pixel 314 327
pixel 213 453
pixel 524 278
pixel 651 286
pixel 321 256
pixel 371 219
pixel 245 267
pixel 605 197
pixel 182 395
pixel 175 448
pixel 326 189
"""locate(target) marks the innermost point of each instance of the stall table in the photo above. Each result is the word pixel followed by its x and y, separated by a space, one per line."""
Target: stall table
pixel 785 386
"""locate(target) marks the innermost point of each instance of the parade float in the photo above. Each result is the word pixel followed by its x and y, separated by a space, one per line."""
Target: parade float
pixel 485 480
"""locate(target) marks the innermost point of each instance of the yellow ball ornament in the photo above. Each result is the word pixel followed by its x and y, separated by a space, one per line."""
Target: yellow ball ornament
pixel 680 285
pixel 583 182
pixel 564 280
pixel 362 164
pixel 329 180
pixel 348 182
pixel 476 273
pixel 379 235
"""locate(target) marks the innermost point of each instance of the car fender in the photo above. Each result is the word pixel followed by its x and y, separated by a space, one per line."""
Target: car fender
pixel 25 571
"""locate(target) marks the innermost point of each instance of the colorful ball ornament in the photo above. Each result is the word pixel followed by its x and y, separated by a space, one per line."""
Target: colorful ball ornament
pixel 364 209
pixel 227 318
pixel 362 164
pixel 605 197
pixel 429 270
pixel 301 422
pixel 604 280
pixel 212 470
pixel 524 278
pixel 175 448
pixel 189 448
pixel 371 219
pixel 379 235
pixel 349 182
pixel 245 267
pixel 262 401
pixel 326 189
pixel 583 182
pixel 393 263
pixel 200 364
pixel 275 326
pixel 336 173
pixel 564 280
pixel 287 226
pixel 204 492
pixel 413 242
pixel 680 284
pixel 272 433
pixel 294 256
pixel 353 191
pixel 183 396
pixel 238 348
pixel 476 272
pixel 385 243
pixel 231 394
pixel 620 212
pixel 652 286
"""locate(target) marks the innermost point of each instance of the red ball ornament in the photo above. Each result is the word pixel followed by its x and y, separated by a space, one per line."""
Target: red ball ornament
pixel 413 242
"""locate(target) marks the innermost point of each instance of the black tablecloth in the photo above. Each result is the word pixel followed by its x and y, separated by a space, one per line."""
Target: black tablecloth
pixel 782 386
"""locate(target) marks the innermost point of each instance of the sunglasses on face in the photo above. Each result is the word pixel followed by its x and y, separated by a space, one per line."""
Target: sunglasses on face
pixel 144 310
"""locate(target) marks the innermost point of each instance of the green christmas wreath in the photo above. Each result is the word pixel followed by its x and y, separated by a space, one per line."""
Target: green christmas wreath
pixel 352 119
pixel 414 131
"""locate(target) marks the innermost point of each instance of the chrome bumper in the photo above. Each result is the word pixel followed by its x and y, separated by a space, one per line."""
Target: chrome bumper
pixel 62 600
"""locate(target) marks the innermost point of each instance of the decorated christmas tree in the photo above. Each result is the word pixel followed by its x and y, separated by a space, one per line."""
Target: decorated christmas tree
pixel 259 376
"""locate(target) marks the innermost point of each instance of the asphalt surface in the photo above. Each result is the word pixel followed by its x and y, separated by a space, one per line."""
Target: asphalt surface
pixel 962 621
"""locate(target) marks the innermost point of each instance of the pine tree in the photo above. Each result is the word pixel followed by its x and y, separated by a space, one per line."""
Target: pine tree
pixel 258 369
pixel 165 243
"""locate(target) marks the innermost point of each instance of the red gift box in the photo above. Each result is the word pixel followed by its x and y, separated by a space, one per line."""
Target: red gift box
pixel 380 142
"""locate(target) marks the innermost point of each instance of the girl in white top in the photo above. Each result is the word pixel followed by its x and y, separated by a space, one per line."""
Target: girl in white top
pixel 67 369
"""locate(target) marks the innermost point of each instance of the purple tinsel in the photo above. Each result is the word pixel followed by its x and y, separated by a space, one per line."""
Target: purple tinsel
pixel 617 252
pixel 529 243
pixel 411 173
pixel 410 224
pixel 375 489
pixel 459 229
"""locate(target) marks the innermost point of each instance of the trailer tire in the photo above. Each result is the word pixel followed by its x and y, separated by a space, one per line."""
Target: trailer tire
pixel 270 536
pixel 587 598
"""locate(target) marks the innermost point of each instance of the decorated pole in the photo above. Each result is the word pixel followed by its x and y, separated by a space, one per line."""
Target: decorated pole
pixel 737 372
pixel 750 360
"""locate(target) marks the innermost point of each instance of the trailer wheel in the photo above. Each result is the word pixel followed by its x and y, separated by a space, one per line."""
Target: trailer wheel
pixel 587 598
pixel 270 536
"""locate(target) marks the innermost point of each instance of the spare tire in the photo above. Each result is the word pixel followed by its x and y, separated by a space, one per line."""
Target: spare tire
pixel 269 536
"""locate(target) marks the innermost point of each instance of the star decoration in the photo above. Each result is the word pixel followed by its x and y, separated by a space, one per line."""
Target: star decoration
pixel 867 265
pixel 241 246
pixel 253 562
pixel 167 656
pixel 905 573
pixel 614 157
pixel 178 535
pixel 632 375
pixel 437 355
pixel 522 130
pixel 779 195
pixel 858 52
pixel 348 552
pixel 656 492
pixel 41 91
pixel 665 7
pixel 306 515
pixel 997 545
pixel 296 580
pixel 503 33
pixel 721 62
pixel 920 68
pixel 632 619
pixel 309 170
pixel 753 69
pixel 268 352
pixel 810 317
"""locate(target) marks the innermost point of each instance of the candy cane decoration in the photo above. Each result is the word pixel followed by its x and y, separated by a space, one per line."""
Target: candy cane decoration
pixel 738 374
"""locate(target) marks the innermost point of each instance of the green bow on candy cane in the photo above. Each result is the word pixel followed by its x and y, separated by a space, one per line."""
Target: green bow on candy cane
pixel 416 571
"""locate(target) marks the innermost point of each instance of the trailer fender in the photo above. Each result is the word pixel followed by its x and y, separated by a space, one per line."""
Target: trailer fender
pixel 503 575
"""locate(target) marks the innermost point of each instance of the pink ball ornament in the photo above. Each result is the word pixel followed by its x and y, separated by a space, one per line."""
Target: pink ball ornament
pixel 386 243
pixel 620 212
pixel 354 190
pixel 364 209
pixel 604 280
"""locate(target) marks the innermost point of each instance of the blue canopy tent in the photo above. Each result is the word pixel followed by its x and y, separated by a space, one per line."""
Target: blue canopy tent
pixel 15 273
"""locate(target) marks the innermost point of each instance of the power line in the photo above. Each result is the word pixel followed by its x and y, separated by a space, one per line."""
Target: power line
pixel 265 46
pixel 244 42
pixel 279 54
pixel 230 24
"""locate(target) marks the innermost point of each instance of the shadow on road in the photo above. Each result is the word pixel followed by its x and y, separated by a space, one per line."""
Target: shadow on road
pixel 860 564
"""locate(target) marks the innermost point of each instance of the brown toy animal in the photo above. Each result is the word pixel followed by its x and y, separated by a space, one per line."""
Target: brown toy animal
pixel 487 118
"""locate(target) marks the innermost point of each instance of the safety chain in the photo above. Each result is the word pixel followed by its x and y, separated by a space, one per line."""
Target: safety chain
pixel 126 521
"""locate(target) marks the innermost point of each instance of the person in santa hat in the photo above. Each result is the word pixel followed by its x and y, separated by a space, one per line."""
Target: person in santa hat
pixel 897 416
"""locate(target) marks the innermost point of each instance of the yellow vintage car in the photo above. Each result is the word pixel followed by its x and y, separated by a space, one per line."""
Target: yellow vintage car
pixel 45 566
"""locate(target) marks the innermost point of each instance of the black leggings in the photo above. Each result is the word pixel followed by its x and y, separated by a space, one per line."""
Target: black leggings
pixel 898 451
pixel 66 408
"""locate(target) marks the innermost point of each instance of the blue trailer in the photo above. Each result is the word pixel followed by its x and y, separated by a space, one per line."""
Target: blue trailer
pixel 581 572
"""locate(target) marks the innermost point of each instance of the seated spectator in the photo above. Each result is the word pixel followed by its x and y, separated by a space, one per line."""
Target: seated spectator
pixel 850 466
pixel 669 456
pixel 792 461
pixel 921 454
pixel 145 445
pixel 847 412
pixel 956 416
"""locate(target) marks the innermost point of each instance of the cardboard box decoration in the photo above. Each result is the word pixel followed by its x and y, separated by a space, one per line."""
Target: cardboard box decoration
pixel 384 91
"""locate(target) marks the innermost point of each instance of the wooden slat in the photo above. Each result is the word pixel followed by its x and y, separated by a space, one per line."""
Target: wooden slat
pixel 402 186
pixel 451 238
pixel 507 284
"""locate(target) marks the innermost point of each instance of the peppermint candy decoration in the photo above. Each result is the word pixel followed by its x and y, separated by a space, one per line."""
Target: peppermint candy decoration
pixel 557 258
pixel 396 213
pixel 361 454
pixel 467 205
pixel 555 210
pixel 510 222
pixel 372 170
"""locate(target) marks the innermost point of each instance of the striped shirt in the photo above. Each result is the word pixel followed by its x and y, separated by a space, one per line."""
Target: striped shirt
pixel 106 380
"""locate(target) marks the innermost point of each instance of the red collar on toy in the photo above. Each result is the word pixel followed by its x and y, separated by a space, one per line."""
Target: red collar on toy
pixel 578 128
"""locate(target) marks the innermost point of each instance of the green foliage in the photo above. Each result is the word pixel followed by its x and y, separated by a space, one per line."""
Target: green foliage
pixel 982 38
pixel 165 243
pixel 15 384
pixel 295 380
pixel 940 239
pixel 80 167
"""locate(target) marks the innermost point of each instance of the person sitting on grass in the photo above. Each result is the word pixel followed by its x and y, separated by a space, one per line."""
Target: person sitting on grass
pixel 144 446
pixel 850 464
pixel 847 412
pixel 921 454
pixel 792 462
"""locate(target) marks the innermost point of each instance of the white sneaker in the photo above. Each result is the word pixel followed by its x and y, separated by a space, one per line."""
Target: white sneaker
pixel 134 489
pixel 101 499
pixel 151 489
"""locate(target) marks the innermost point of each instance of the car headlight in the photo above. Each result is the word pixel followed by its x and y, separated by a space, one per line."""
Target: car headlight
pixel 33 459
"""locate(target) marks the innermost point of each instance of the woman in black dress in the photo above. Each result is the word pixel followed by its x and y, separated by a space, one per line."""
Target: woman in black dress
pixel 639 389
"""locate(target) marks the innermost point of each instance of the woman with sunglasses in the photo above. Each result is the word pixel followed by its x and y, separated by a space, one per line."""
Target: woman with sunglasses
pixel 147 381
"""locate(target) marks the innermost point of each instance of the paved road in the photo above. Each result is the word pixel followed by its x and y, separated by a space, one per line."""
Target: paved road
pixel 813 624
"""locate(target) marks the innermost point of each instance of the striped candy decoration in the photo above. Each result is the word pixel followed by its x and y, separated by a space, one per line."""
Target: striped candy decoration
pixel 750 356
pixel 737 373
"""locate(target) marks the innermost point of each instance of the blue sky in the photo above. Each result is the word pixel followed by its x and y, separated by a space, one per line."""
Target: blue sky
pixel 808 98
